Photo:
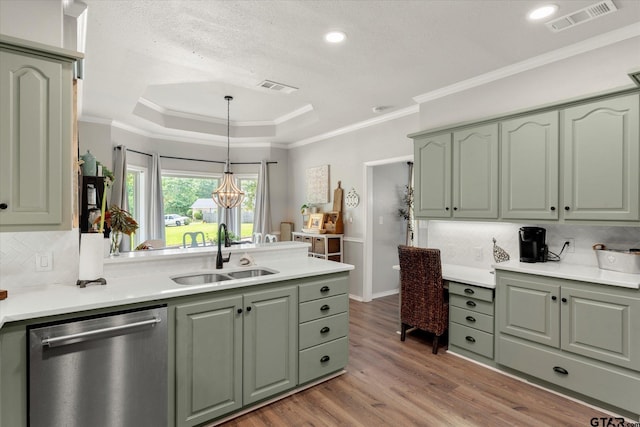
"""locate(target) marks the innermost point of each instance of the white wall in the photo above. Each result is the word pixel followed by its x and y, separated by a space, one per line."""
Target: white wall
pixel 580 76
pixel 459 241
pixel 389 229
pixel 346 155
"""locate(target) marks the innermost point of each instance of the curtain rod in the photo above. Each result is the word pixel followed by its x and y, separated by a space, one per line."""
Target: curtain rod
pixel 195 160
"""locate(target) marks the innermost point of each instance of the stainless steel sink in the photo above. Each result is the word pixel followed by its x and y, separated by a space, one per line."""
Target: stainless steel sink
pixel 254 272
pixel 207 278
pixel 200 279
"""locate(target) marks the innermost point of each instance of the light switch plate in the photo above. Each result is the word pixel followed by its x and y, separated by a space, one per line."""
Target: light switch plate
pixel 44 261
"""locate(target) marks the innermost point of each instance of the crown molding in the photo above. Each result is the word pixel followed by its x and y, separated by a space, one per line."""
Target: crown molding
pixel 587 45
pixel 414 109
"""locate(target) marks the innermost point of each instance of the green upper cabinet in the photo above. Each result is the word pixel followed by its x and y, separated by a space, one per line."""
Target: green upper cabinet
pixel 270 343
pixel 36 113
pixel 601 160
pixel 475 172
pixel 529 167
pixel 432 172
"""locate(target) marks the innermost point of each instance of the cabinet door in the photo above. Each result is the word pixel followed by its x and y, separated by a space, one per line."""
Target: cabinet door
pixel 270 343
pixel 601 326
pixel 432 176
pixel 530 167
pixel 208 360
pixel 35 115
pixel 601 160
pixel 528 309
pixel 475 172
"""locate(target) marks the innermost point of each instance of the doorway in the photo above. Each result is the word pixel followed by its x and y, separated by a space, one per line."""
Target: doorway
pixel 385 181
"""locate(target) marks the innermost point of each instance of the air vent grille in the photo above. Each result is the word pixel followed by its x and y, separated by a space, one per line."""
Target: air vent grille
pixel 583 15
pixel 278 87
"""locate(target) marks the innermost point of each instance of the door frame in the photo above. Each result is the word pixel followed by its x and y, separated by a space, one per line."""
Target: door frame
pixel 367 254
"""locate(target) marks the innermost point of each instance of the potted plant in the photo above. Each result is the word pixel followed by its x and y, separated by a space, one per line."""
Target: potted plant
pixel 304 209
pixel 120 222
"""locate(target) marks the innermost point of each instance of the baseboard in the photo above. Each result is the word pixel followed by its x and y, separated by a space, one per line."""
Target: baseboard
pixel 385 293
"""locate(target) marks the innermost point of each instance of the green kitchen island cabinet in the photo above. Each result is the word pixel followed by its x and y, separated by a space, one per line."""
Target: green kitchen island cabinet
pixel 233 351
pixel 580 336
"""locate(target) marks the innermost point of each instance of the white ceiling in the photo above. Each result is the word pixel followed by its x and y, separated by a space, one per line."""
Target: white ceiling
pixel 164 67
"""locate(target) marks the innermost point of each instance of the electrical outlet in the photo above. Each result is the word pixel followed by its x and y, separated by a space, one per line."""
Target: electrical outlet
pixel 572 244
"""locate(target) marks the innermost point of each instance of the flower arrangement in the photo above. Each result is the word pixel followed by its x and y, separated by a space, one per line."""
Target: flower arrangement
pixel 119 220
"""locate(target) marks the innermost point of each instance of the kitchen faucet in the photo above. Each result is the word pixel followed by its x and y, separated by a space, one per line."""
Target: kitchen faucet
pixel 219 259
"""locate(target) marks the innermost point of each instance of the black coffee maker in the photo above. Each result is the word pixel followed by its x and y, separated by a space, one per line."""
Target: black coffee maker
pixel 532 244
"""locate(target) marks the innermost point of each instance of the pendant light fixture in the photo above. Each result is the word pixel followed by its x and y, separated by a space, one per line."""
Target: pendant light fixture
pixel 228 195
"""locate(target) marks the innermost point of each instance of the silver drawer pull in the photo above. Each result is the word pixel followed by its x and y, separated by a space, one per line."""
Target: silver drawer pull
pixel 55 340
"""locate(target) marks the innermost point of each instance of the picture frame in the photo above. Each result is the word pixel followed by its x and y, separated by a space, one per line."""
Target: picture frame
pixel 316 221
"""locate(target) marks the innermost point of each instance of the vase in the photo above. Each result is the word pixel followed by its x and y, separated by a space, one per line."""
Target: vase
pixel 116 238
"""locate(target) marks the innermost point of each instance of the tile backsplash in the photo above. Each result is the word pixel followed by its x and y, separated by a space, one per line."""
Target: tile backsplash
pixel 470 243
pixel 18 257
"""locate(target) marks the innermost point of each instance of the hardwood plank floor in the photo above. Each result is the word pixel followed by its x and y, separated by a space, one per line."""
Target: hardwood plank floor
pixel 394 383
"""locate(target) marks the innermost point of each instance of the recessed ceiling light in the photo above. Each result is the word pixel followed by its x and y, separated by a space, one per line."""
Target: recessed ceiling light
pixel 542 12
pixel 335 37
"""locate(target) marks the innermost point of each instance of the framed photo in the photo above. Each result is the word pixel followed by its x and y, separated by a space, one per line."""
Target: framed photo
pixel 316 221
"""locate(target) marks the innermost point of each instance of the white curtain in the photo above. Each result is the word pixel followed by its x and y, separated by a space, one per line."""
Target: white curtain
pixel 119 189
pixel 262 212
pixel 156 205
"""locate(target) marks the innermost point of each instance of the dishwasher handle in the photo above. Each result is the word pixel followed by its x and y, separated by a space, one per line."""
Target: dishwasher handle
pixel 48 342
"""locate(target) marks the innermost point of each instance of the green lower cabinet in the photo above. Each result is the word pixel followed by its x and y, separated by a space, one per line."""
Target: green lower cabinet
pixel 208 359
pixel 233 351
pixel 270 343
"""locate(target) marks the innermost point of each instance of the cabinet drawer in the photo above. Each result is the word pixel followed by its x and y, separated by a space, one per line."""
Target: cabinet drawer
pixel 322 289
pixel 323 330
pixel 471 319
pixel 484 294
pixel 323 359
pixel 595 380
pixel 324 307
pixel 471 339
pixel 472 304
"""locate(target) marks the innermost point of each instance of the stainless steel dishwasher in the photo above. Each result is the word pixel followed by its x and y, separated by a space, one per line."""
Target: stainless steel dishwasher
pixel 106 371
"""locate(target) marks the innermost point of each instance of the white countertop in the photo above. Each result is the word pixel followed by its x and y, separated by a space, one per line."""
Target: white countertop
pixel 581 273
pixel 29 302
pixel 468 275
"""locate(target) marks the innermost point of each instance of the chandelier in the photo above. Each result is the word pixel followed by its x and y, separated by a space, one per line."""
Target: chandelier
pixel 228 195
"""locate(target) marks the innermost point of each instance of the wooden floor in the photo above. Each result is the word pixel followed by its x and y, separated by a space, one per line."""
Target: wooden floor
pixel 391 383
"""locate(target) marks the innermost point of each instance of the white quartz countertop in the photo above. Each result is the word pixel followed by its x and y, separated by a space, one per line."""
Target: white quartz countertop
pixel 30 302
pixel 468 275
pixel 583 273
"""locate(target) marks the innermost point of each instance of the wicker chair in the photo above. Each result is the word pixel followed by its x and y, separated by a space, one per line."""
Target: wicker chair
pixel 423 304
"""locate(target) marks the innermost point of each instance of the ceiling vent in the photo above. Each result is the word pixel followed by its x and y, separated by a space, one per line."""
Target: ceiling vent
pixel 583 15
pixel 278 87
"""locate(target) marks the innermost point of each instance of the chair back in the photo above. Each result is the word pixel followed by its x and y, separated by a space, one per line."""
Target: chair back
pixel 421 289
pixel 257 237
pixel 270 238
pixel 193 235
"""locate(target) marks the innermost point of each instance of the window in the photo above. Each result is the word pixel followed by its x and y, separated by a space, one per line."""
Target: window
pixel 247 209
pixel 136 199
pixel 188 206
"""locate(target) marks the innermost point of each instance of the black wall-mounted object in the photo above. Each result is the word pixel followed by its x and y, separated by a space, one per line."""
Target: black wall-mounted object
pixel 91 194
